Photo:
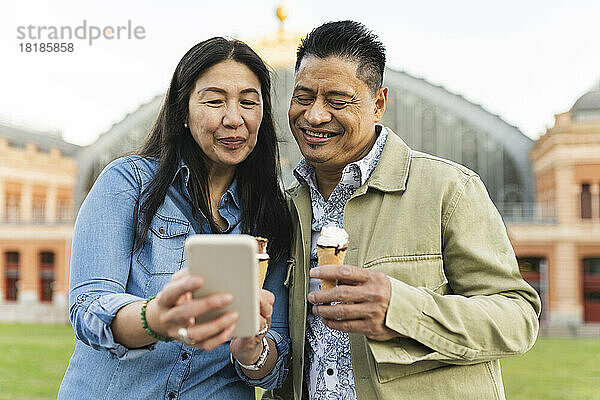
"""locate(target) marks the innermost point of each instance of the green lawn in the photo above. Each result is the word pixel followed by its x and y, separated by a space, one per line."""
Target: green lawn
pixel 33 359
pixel 555 369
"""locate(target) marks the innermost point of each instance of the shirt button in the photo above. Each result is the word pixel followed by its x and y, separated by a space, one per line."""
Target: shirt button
pixel 161 230
pixel 172 395
pixel 329 371
pixel 184 356
pixel 226 200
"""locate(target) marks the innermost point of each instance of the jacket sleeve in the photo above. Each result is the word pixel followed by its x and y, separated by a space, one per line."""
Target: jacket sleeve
pixel 101 257
pixel 491 311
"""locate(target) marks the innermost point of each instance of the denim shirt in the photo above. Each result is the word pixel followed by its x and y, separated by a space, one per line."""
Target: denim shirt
pixel 106 276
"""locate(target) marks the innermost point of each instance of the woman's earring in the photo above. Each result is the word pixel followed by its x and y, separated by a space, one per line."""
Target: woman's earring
pixel 185 125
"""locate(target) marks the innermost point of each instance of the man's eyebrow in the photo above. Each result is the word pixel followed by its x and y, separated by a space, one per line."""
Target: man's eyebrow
pixel 303 89
pixel 338 93
pixel 328 93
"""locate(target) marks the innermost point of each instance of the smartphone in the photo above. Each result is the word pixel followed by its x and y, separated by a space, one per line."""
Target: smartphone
pixel 227 263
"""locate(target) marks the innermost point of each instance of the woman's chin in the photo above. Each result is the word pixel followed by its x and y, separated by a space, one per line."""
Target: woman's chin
pixel 231 160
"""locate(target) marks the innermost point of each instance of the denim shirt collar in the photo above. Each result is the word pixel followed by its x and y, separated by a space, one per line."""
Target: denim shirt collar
pixel 232 191
pixel 229 206
pixel 184 170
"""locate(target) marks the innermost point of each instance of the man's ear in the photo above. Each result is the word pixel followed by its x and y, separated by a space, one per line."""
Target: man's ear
pixel 380 103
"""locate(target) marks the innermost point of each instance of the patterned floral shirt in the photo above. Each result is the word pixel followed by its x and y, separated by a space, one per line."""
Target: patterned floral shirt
pixel 329 373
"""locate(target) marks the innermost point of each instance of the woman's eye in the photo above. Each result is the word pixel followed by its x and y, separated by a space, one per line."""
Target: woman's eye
pixel 249 103
pixel 214 102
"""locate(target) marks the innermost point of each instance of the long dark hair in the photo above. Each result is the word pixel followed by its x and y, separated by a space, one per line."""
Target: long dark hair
pixel 264 210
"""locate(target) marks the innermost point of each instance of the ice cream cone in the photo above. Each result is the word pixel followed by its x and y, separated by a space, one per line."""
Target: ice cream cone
pixel 263 260
pixel 263 265
pixel 330 256
pixel 331 250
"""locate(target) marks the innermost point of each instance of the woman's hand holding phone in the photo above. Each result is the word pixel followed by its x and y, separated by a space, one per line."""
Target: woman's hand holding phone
pixel 174 308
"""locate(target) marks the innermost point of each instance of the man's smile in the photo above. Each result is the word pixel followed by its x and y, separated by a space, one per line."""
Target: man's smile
pixel 313 136
pixel 319 134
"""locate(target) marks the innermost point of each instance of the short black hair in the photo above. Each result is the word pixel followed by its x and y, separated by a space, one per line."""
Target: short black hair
pixel 351 40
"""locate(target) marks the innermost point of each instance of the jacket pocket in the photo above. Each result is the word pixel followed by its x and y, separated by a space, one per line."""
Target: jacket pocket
pixel 402 357
pixel 162 251
pixel 425 270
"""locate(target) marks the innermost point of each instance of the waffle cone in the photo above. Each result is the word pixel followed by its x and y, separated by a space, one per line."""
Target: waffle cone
pixel 263 260
pixel 330 256
pixel 263 265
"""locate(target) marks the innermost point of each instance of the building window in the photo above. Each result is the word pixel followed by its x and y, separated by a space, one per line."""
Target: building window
pixel 591 266
pixel 39 209
pixel 46 275
pixel 11 275
pixel 591 289
pixel 530 270
pixel 63 209
pixel 586 201
pixel 13 207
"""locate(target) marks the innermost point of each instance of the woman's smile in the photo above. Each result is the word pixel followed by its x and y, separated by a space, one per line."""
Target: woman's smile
pixel 232 142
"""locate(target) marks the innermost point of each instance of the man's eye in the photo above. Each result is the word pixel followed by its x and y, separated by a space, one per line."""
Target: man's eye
pixel 338 104
pixel 303 100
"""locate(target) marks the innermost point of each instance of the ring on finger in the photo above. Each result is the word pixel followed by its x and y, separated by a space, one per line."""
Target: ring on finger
pixel 182 334
pixel 263 330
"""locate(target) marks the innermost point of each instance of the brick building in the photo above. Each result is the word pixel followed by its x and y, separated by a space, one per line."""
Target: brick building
pixel 560 250
pixel 37 177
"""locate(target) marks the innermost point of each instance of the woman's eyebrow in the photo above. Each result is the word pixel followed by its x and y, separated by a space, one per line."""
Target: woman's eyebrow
pixel 250 90
pixel 222 91
pixel 211 89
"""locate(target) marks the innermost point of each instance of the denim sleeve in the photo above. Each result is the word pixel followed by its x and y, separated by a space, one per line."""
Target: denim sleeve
pixel 101 258
pixel 279 329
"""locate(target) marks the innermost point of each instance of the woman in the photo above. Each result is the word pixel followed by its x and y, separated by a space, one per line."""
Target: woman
pixel 209 165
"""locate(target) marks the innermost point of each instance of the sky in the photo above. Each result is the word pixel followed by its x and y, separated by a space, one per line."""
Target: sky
pixel 524 60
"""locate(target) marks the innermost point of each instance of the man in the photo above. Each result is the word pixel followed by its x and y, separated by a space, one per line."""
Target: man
pixel 431 295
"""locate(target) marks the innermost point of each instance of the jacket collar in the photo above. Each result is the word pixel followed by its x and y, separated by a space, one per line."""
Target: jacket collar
pixel 391 173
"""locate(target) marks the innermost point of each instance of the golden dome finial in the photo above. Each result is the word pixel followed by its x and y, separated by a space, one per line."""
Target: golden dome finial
pixel 282 13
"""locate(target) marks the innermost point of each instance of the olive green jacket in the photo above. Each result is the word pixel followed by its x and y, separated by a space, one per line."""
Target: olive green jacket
pixel 457 294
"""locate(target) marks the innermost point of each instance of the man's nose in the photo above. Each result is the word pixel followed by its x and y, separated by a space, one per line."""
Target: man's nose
pixel 317 114
pixel 233 117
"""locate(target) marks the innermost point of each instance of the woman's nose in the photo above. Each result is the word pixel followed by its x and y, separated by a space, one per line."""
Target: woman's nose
pixel 233 117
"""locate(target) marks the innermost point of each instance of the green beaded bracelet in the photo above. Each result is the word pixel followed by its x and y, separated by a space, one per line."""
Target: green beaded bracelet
pixel 145 323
